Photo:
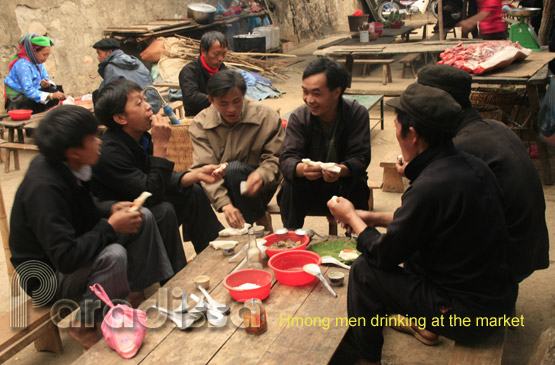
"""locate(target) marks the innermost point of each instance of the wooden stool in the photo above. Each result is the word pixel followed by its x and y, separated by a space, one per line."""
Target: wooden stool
pixel 15 148
pixel 386 68
pixel 392 181
pixel 408 61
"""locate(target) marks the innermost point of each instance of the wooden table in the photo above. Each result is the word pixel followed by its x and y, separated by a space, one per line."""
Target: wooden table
pixel 388 36
pixel 280 344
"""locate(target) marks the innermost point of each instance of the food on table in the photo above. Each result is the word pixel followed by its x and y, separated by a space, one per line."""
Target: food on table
pixel 348 255
pixel 333 247
pixel 284 244
pixel 483 57
pixel 247 286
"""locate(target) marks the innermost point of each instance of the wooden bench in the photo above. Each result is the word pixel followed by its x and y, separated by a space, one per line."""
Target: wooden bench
pixel 408 61
pixel 39 327
pixel 14 148
pixel 385 62
pixel 487 352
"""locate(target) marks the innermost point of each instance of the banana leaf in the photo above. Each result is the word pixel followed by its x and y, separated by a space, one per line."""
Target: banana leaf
pixel 332 246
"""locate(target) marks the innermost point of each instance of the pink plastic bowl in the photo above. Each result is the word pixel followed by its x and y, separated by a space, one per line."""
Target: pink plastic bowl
pixel 271 239
pixel 20 114
pixel 288 266
pixel 258 277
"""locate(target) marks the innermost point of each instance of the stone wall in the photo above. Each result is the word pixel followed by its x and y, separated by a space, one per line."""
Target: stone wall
pixel 312 19
pixel 75 25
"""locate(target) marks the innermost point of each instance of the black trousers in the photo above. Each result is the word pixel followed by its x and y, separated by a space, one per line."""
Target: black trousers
pixel 375 293
pixel 252 208
pixel 296 201
pixel 192 210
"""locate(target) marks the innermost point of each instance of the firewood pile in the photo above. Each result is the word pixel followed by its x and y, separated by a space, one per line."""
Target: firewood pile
pixel 188 49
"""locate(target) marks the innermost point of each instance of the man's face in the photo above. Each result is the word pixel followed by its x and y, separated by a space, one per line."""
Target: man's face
pixel 136 116
pixel 43 54
pixel 89 152
pixel 215 55
pixel 321 100
pixel 407 143
pixel 101 54
pixel 229 105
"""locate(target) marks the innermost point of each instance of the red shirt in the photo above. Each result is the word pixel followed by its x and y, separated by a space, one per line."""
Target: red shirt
pixel 494 22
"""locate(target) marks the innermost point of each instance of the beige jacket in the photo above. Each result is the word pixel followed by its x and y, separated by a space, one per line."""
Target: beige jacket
pixel 256 139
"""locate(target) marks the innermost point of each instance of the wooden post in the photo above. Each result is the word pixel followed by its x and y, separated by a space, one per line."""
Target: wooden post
pixel 440 19
pixel 547 21
pixel 5 234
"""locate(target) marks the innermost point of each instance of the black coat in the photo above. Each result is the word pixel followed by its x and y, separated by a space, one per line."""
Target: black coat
pixel 523 198
pixel 125 170
pixel 55 220
pixel 449 230
pixel 192 81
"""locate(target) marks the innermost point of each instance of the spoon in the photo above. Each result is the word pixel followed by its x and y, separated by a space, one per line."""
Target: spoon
pixel 224 308
pixel 214 317
pixel 308 232
pixel 181 320
pixel 334 261
pixel 243 249
pixel 315 270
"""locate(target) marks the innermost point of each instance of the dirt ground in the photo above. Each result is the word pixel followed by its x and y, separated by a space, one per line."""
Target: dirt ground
pixel 537 293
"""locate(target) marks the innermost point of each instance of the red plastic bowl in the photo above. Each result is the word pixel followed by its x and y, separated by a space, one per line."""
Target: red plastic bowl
pixel 271 239
pixel 20 114
pixel 258 277
pixel 288 266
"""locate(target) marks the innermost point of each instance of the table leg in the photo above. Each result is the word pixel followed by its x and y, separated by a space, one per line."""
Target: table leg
pixel 381 112
pixel 349 61
pixel 545 164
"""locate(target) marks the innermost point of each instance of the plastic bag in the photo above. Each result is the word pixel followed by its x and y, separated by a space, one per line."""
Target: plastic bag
pixel 546 116
pixel 123 327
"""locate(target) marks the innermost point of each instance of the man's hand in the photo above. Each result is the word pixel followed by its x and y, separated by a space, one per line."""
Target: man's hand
pixel 44 83
pixel 123 221
pixel 233 216
pixel 344 212
pixel 120 206
pixel 330 177
pixel 400 165
pixel 308 172
pixel 207 173
pixel 254 184
pixel 161 132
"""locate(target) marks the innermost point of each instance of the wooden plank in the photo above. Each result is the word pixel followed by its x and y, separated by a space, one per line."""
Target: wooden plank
pixel 35 318
pixel 487 352
pixel 312 343
pixel 154 348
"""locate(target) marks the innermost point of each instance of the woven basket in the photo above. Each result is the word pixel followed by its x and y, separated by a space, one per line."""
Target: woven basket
pixel 490 112
pixel 180 148
pixel 504 99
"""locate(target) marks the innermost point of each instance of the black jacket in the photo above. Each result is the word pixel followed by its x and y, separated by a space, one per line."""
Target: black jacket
pixel 352 140
pixel 192 81
pixel 125 170
pixel 55 220
pixel 449 230
pixel 523 199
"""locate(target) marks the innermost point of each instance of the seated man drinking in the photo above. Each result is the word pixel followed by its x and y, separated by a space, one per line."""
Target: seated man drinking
pixel 134 161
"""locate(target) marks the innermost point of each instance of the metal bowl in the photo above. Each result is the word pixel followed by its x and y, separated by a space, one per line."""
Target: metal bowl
pixel 522 11
pixel 202 13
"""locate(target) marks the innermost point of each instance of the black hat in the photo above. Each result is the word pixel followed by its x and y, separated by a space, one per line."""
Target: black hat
pixel 430 106
pixel 107 43
pixel 455 81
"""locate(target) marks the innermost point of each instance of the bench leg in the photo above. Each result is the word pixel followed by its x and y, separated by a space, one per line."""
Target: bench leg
pixel 332 228
pixel 16 159
pixel 50 341
pixel 388 70
pixel 404 69
pixel 7 165
pixel 412 69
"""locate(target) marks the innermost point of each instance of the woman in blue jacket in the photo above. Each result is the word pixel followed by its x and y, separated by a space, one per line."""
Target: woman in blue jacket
pixel 28 85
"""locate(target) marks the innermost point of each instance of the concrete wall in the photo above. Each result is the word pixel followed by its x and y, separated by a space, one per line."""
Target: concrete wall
pixel 75 25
